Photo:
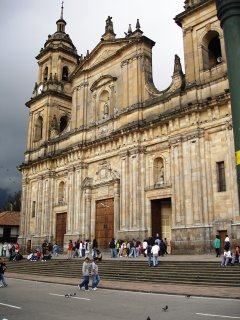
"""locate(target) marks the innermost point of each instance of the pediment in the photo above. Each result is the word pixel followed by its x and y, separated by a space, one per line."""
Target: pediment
pixel 104 55
pixel 102 81
pixel 104 51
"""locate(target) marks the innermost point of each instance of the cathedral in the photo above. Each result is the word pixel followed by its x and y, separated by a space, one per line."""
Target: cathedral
pixel 110 156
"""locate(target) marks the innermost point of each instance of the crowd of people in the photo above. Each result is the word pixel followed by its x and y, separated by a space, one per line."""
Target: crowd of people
pixel 82 249
pixel 151 248
pixel 228 258
pixel 134 248
pixel 11 251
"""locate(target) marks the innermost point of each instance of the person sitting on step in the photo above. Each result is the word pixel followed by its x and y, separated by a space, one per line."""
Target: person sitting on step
pixel 227 258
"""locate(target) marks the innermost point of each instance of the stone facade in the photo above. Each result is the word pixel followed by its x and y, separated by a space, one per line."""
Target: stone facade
pixel 109 155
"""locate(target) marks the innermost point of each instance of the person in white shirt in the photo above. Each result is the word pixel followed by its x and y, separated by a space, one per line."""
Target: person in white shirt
pixel 155 252
pixel 80 253
pixel 95 274
pixel 144 246
pixel 227 258
pixel 227 242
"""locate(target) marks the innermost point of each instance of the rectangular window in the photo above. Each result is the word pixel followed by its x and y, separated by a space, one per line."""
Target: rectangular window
pixel 14 231
pixel 33 209
pixel 221 176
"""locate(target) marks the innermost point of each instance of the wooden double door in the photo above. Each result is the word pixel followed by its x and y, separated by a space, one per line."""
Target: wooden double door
pixel 161 219
pixel 61 224
pixel 104 230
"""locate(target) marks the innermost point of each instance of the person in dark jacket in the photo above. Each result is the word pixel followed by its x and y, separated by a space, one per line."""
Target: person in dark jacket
pixel 3 267
pixel 94 248
pixel 112 248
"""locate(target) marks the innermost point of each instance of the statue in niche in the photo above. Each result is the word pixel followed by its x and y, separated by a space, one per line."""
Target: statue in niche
pixel 54 123
pixel 160 175
pixel 54 128
pixel 105 111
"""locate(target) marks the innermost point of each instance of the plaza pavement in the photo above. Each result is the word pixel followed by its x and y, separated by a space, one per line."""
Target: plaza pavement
pixel 160 288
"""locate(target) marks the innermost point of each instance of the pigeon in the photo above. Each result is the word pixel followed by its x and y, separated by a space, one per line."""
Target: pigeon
pixel 69 295
pixel 72 295
pixel 165 308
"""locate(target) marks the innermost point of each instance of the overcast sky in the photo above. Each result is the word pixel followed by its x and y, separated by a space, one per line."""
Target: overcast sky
pixel 24 28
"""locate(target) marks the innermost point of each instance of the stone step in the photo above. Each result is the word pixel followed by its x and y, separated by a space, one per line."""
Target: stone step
pixel 119 270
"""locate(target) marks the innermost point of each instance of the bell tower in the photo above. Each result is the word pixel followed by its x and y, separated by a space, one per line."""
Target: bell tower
pixel 204 52
pixel 51 103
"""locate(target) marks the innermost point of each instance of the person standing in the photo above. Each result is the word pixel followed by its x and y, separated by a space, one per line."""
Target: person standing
pixel 235 258
pixel 166 244
pixel 94 248
pixel 85 273
pixel 144 247
pixel 3 267
pixel 155 251
pixel 112 248
pixel 227 243
pixel 95 274
pixel 56 249
pixel 217 244
pixel 149 254
pixel 44 247
pixel 70 249
pixel 132 249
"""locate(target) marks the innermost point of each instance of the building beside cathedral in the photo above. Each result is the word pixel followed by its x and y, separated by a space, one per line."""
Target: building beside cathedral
pixel 110 156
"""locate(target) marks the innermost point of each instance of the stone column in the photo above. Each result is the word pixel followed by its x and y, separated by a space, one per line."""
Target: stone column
pixel 189 55
pixel 71 199
pixel 142 201
pixel 124 190
pixel 134 188
pixel 88 195
pixel 74 108
pixel 39 209
pixel 116 207
pixel 31 133
pixel 177 184
pixel 22 231
pixel 125 84
pixel 47 205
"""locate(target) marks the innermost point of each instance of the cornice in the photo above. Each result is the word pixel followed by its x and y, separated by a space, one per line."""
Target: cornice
pixel 57 49
pixel 190 10
pixel 47 93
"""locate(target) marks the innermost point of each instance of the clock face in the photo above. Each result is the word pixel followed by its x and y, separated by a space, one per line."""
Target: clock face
pixel 40 89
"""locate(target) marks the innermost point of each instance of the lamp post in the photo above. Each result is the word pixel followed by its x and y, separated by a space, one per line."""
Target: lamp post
pixel 228 12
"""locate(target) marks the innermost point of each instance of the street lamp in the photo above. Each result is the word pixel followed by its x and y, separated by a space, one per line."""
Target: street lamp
pixel 228 12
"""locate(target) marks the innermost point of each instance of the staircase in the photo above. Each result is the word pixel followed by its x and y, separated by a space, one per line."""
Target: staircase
pixel 174 272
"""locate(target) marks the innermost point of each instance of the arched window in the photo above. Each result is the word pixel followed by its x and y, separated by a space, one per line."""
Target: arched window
pixel 61 191
pixel 158 171
pixel 104 107
pixel 45 74
pixel 211 50
pixel 39 128
pixel 63 123
pixel 64 73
